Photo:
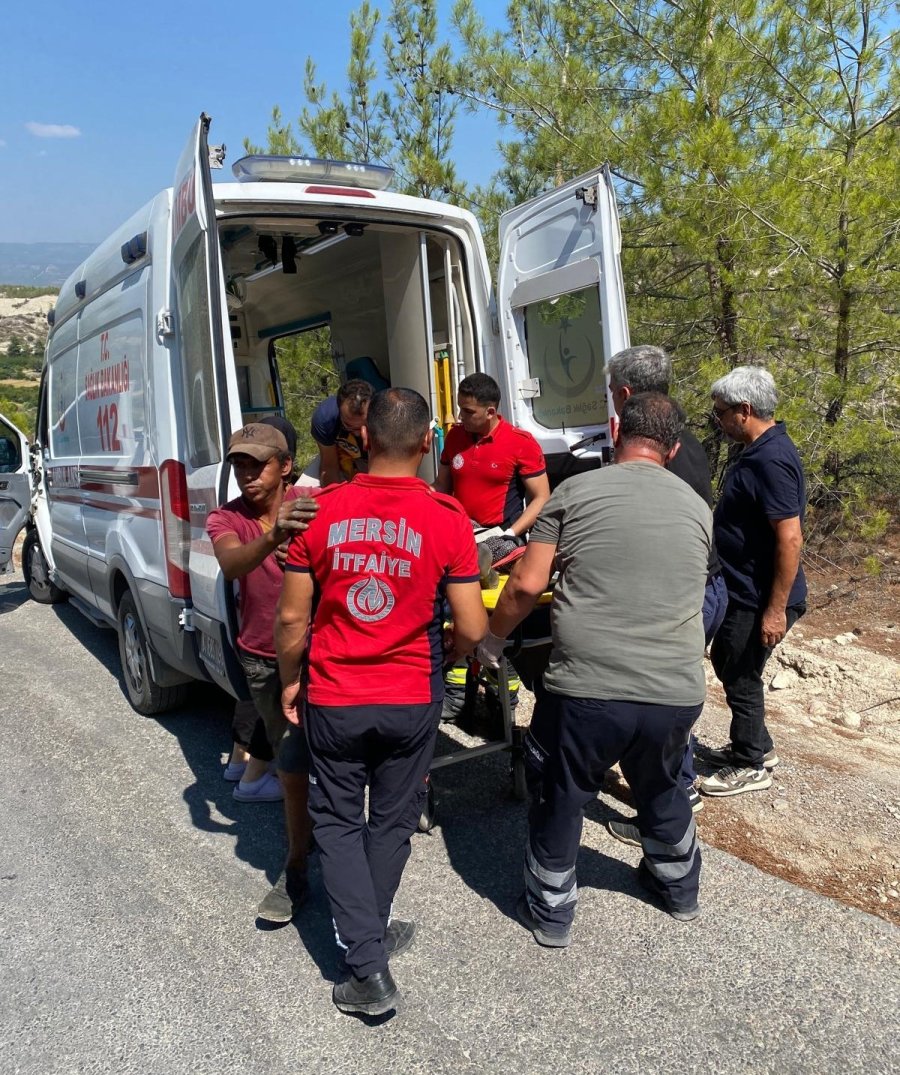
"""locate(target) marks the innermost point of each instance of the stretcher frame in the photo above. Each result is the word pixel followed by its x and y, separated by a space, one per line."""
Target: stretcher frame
pixel 513 735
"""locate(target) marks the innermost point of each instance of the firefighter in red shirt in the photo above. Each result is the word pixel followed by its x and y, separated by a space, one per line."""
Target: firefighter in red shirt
pixel 384 553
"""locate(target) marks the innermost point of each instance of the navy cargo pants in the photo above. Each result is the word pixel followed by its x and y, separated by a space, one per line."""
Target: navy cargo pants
pixel 389 748
pixel 569 747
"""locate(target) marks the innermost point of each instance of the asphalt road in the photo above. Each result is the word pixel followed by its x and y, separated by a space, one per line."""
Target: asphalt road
pixel 128 942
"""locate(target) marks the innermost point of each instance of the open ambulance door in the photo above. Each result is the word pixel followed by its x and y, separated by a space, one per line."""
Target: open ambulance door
pixel 210 409
pixel 15 487
pixel 561 303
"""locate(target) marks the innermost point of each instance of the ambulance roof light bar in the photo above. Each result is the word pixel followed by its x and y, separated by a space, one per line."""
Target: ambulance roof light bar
pixel 270 169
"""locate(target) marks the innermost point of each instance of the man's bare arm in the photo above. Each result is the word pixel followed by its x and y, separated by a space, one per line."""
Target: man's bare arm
pixel 788 543
pixel 537 493
pixel 443 483
pixel 329 468
pixel 238 559
pixel 469 618
pixel 292 619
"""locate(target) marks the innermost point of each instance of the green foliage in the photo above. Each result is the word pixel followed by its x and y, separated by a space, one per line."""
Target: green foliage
pixel 19 291
pixel 19 405
pixel 308 376
pixel 398 113
pixel 756 143
pixel 17 366
pixel 873 566
pixel 876 525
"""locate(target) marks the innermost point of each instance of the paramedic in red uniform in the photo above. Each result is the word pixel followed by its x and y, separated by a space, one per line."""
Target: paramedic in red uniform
pixel 384 553
pixel 489 466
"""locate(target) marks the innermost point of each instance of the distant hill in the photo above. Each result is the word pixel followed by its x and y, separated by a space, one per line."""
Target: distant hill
pixel 40 264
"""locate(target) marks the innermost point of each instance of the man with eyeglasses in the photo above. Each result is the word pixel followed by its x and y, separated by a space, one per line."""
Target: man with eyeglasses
pixel 758 526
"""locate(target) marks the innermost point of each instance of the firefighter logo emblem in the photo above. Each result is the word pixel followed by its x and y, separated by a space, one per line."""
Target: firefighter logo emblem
pixel 370 599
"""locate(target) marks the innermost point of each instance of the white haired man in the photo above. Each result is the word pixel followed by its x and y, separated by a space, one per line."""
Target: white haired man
pixel 758 526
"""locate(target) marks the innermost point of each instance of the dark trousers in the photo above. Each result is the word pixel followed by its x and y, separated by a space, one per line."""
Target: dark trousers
pixel 389 748
pixel 569 747
pixel 739 657
pixel 715 604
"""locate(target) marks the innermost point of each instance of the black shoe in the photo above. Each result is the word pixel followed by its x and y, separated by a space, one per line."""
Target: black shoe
pixel 286 896
pixel 544 937
pixel 398 937
pixel 374 995
pixel 649 884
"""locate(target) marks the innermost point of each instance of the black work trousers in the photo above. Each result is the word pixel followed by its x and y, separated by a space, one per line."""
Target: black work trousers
pixel 738 658
pixel 569 747
pixel 389 748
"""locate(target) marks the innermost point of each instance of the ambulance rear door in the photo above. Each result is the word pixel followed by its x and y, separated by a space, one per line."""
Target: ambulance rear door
pixel 210 407
pixel 15 487
pixel 561 303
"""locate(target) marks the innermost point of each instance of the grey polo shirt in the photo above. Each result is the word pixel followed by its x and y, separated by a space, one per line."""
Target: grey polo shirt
pixel 633 544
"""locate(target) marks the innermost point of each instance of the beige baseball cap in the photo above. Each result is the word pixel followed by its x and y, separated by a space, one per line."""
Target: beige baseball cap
pixel 258 441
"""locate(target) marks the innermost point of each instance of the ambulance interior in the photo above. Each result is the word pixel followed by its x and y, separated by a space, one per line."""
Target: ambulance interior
pixel 361 288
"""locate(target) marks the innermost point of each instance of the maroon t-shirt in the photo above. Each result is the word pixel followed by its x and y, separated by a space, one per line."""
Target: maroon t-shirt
pixel 259 591
pixel 382 551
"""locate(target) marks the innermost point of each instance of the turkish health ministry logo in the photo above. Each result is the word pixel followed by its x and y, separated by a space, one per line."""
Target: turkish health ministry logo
pixel 370 599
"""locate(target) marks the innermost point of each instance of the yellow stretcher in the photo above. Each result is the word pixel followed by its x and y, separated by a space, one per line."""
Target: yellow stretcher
pixel 512 734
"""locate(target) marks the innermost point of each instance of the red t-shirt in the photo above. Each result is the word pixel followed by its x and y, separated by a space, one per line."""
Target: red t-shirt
pixel 259 591
pixel 486 472
pixel 382 551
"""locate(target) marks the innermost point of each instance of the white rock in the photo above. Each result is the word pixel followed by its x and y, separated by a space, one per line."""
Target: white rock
pixel 782 680
pixel 845 639
pixel 780 804
pixel 850 719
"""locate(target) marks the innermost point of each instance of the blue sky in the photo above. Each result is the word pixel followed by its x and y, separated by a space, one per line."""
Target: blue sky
pixel 97 99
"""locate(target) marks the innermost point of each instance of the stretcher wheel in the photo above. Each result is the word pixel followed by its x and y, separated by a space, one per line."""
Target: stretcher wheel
pixel 426 818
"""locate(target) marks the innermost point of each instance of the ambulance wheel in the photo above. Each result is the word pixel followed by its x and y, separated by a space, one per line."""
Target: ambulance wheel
pixel 426 818
pixel 37 574
pixel 145 695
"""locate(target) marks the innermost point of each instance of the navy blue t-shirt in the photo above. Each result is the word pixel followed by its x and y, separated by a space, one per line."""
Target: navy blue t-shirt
pixel 765 484
pixel 327 428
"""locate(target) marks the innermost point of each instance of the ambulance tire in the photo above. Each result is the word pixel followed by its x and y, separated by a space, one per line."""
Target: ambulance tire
pixel 145 695
pixel 37 573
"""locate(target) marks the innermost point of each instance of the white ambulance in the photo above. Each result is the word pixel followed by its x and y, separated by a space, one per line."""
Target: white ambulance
pixel 175 332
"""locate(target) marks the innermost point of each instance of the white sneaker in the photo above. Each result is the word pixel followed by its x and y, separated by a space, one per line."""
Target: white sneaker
pixel 732 781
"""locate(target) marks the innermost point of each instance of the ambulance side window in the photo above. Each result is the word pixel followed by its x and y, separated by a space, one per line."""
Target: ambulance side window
pixel 10 455
pixel 197 358
pixel 565 352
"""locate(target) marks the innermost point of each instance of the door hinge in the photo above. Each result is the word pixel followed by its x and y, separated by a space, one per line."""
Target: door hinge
pixel 186 619
pixel 588 195
pixel 216 156
pixel 165 324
